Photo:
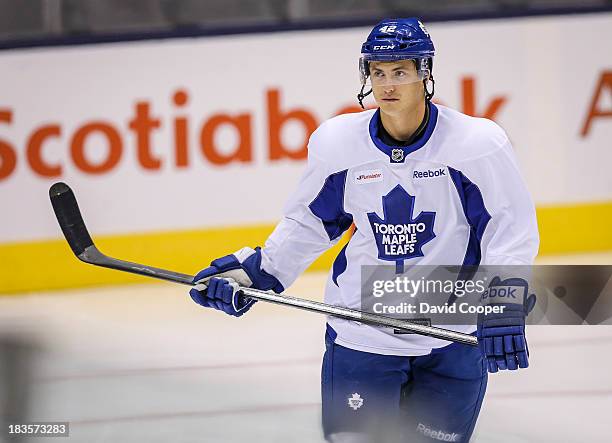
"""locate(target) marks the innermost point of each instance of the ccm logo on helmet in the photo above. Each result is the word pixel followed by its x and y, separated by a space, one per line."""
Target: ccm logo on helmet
pixel 383 47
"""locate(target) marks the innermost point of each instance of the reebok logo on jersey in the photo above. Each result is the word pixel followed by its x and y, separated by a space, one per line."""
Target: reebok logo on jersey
pixel 437 435
pixel 370 176
pixel 429 173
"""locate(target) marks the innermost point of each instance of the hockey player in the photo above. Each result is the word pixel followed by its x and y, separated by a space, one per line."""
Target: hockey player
pixel 408 163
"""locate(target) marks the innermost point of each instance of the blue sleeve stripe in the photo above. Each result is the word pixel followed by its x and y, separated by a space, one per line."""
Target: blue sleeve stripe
pixel 328 205
pixel 475 212
pixel 339 265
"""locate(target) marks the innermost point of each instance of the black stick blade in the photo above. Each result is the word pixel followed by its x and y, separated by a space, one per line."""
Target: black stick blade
pixel 69 217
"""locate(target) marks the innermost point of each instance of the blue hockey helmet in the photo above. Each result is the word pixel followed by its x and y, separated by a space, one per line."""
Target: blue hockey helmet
pixel 398 39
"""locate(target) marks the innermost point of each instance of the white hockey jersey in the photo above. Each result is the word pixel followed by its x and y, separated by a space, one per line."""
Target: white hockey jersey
pixel 457 190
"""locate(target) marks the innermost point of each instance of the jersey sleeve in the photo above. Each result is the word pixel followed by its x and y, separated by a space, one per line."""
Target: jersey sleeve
pixel 313 219
pixel 498 207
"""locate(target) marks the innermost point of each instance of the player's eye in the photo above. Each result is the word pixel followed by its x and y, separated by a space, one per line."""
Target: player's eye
pixel 400 74
pixel 379 74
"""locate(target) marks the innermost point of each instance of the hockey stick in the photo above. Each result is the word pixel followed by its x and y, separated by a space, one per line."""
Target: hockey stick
pixel 72 224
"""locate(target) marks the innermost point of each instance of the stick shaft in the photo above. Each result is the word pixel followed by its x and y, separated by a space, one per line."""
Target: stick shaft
pixel 71 221
pixel 93 256
pixel 360 316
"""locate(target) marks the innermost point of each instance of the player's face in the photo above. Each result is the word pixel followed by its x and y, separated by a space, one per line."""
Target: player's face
pixel 396 86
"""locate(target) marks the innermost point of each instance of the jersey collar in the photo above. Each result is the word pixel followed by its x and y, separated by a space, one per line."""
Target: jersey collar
pixel 397 154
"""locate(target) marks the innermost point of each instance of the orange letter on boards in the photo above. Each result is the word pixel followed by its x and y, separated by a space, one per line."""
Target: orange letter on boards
pixel 242 153
pixel 34 151
pixel 605 81
pixel 469 100
pixel 77 148
pixel 276 120
pixel 8 157
pixel 180 131
pixel 142 124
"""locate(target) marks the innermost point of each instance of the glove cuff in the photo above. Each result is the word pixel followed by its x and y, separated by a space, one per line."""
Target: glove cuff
pixel 261 279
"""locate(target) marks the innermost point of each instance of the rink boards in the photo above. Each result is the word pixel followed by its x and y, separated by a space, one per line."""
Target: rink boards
pixel 182 150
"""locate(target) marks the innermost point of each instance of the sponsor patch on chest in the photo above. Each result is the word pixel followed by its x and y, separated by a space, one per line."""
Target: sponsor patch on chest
pixel 369 176
pixel 429 173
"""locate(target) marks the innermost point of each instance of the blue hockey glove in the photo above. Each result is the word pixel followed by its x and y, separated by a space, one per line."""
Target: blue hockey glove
pixel 501 336
pixel 217 286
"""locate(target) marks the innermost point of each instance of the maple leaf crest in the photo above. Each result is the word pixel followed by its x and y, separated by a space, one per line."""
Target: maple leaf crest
pixel 398 235
pixel 355 401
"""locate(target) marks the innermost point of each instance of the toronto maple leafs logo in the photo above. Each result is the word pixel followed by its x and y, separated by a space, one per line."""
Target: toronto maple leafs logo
pixel 398 235
pixel 355 401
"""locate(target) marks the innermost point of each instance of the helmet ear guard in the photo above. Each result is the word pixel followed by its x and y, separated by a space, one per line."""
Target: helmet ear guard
pixel 429 94
pixel 364 70
pixel 429 80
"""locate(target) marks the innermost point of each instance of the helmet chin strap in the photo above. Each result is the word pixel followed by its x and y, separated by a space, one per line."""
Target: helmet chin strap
pixel 361 96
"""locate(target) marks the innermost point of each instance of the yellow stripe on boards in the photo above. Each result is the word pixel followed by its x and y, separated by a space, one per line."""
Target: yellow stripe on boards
pixel 576 228
pixel 51 264
pixel 44 265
